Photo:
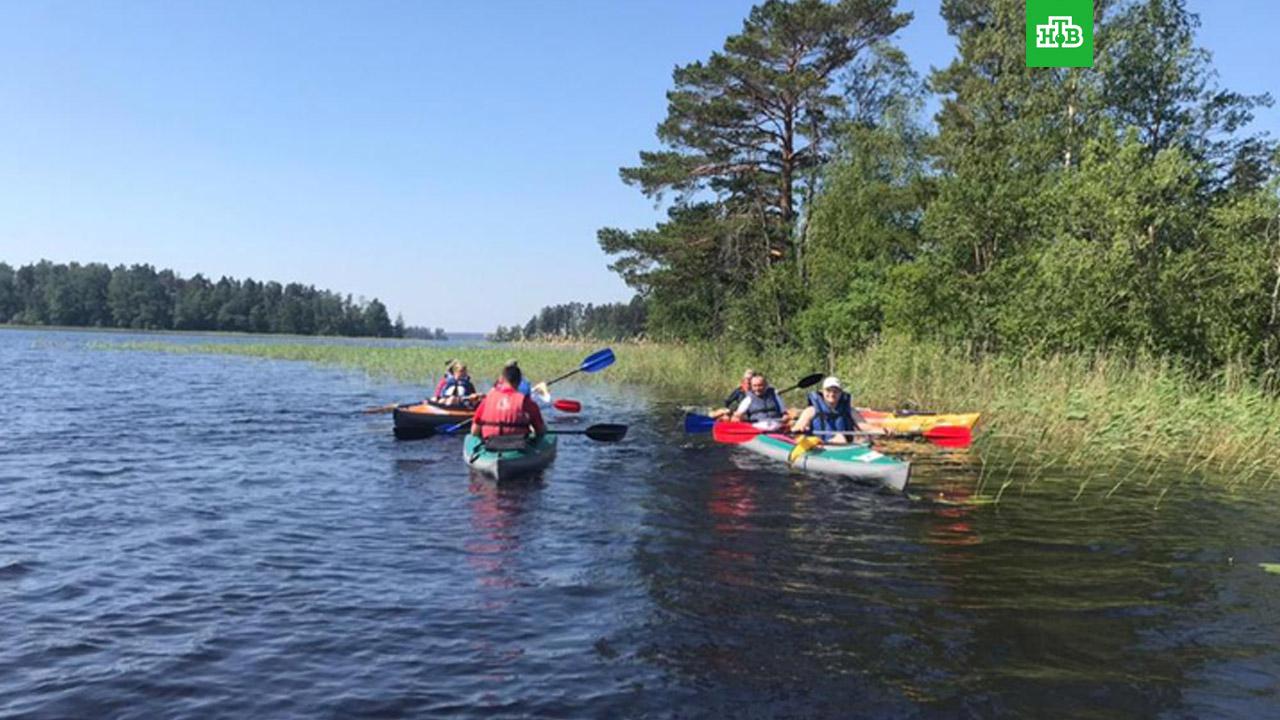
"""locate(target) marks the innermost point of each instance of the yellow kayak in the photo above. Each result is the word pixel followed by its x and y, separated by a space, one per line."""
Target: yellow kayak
pixel 911 423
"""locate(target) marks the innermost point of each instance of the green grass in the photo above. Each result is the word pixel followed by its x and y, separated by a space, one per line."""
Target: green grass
pixel 1117 422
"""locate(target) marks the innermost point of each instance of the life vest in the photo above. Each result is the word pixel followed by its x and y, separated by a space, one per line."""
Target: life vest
pixel 502 413
pixel 736 396
pixel 768 407
pixel 457 387
pixel 832 419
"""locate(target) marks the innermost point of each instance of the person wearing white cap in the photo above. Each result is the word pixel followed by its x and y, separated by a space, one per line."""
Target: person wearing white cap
pixel 831 411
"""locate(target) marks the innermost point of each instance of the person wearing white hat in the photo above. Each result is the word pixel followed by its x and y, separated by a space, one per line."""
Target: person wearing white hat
pixel 831 411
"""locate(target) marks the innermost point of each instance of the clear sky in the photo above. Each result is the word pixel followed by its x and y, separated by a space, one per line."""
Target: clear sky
pixel 452 159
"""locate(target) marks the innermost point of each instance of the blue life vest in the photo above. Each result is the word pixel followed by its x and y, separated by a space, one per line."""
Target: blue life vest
pixel 829 419
pixel 459 386
pixel 525 388
pixel 735 398
pixel 768 407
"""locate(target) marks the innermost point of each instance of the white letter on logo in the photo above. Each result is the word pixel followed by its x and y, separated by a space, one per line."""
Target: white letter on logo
pixel 1059 32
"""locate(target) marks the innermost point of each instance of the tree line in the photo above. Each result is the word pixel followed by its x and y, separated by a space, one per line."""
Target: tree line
pixel 141 298
pixel 810 204
pixel 610 321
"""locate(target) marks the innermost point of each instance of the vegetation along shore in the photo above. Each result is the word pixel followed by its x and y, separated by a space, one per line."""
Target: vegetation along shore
pixel 1111 421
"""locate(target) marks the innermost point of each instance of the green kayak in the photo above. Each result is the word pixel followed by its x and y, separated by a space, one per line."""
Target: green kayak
pixel 858 462
pixel 507 464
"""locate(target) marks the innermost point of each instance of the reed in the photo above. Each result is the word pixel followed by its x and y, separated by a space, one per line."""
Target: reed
pixel 1101 415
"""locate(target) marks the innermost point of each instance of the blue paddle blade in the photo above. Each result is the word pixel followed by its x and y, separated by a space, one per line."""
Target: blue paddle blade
pixel 597 361
pixel 454 427
pixel 694 423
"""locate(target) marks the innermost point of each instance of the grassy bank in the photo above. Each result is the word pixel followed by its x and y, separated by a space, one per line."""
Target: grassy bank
pixel 1116 421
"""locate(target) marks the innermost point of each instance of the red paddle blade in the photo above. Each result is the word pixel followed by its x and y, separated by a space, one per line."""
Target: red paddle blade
pixel 569 406
pixel 734 433
pixel 949 436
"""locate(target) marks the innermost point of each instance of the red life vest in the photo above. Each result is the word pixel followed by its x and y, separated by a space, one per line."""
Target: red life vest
pixel 502 413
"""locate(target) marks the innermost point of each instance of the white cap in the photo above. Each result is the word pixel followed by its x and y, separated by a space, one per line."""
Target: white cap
pixel 831 382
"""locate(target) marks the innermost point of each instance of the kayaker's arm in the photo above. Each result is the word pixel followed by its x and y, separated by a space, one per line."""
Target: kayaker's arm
pixel 535 417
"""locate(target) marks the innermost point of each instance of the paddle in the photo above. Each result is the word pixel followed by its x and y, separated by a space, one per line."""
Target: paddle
pixel 386 408
pixel 806 381
pixel 563 405
pixel 735 433
pixel 595 362
pixel 603 432
pixel 803 445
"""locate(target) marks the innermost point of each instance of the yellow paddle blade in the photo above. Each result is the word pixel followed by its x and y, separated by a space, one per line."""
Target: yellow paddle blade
pixel 803 445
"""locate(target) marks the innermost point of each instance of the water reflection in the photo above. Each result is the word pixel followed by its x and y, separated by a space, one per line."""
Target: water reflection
pixel 494 547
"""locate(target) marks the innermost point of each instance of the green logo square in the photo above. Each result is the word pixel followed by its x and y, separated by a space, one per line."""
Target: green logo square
pixel 1059 33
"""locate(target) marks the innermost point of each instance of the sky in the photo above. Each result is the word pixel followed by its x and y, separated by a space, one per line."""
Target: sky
pixel 453 160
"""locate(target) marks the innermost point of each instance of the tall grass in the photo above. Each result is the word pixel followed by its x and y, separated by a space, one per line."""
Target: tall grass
pixel 1117 420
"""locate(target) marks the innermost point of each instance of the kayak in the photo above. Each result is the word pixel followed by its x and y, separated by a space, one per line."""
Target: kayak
pixel 508 464
pixel 423 419
pixel 859 462
pixel 914 424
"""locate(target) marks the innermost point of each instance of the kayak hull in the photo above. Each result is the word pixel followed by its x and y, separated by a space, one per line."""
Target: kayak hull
pixel 424 419
pixel 858 462
pixel 915 424
pixel 509 464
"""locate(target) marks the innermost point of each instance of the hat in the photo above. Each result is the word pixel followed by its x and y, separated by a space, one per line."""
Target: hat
pixel 512 363
pixel 832 382
pixel 448 365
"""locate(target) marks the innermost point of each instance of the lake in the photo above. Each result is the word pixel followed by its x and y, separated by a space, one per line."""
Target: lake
pixel 216 536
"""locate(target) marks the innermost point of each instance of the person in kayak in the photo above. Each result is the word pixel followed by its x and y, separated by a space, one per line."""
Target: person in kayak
pixel 831 411
pixel 537 391
pixel 507 411
pixel 762 405
pixel 458 389
pixel 735 398
pixel 448 372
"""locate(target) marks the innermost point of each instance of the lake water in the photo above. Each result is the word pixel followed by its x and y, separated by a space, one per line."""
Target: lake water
pixel 214 536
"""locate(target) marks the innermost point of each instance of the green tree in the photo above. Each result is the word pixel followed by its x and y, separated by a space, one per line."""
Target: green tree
pixel 751 126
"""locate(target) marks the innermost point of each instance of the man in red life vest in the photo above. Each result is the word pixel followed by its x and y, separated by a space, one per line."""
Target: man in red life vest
pixel 507 411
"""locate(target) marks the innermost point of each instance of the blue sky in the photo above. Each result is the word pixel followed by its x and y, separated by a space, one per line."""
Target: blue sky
pixel 452 159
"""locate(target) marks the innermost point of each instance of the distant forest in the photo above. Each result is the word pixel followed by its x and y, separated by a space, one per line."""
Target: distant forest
pixel 140 297
pixel 611 321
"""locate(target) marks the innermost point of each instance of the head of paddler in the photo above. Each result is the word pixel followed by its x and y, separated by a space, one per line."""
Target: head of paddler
pixel 746 379
pixel 831 390
pixel 459 370
pixel 511 375
pixel 759 385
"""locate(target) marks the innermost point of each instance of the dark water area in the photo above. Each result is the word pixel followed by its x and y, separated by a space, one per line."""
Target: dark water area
pixel 216 536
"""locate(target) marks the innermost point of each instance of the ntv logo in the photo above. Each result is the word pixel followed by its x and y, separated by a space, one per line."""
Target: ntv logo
pixel 1059 32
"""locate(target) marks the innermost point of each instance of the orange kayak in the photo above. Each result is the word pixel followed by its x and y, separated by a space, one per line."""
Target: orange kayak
pixel 424 419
